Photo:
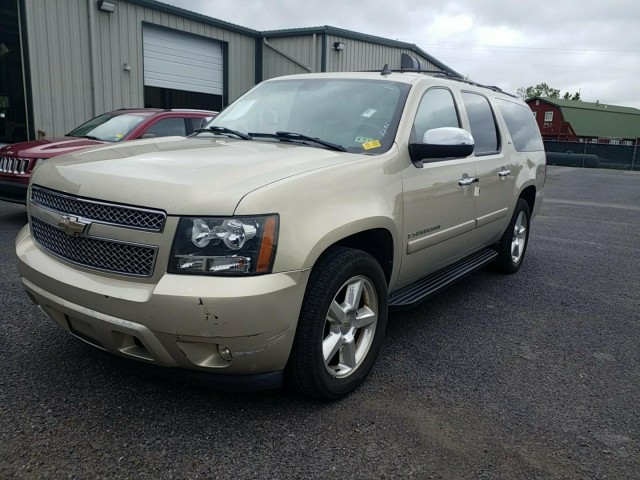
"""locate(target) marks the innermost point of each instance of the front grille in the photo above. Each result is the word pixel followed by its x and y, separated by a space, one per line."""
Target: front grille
pixel 17 166
pixel 112 214
pixel 96 253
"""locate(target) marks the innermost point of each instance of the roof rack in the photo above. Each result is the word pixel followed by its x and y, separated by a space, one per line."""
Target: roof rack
pixel 410 64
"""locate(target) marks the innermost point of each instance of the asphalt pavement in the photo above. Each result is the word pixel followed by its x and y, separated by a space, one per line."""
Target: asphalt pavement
pixel 533 375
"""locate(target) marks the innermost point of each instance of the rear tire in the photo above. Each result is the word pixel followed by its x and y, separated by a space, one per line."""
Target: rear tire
pixel 513 244
pixel 341 325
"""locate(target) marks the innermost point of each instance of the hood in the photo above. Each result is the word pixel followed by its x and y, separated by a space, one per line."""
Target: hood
pixel 48 147
pixel 183 176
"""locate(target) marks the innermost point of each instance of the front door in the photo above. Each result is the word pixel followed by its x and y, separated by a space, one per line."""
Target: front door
pixel 438 211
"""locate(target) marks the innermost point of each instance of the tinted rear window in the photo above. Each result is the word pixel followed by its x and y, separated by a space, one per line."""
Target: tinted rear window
pixel 482 123
pixel 521 125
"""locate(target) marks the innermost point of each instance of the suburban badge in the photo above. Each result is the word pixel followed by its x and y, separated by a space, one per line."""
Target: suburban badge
pixel 423 231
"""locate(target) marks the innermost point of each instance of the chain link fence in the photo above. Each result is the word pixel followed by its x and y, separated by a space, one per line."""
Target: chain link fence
pixel 593 155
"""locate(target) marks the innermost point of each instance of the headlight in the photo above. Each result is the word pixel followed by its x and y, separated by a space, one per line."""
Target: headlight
pixel 224 246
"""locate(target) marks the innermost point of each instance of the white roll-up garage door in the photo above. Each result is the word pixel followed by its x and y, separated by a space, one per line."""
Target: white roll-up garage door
pixel 180 61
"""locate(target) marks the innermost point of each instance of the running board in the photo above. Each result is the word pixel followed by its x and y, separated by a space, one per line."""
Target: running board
pixel 425 287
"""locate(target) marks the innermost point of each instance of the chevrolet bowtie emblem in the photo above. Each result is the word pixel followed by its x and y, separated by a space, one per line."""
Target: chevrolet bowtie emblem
pixel 73 226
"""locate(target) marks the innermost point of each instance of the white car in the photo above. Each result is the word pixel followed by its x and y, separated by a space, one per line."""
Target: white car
pixel 271 245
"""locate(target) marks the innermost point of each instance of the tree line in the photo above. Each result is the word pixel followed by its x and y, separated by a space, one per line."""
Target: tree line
pixel 544 90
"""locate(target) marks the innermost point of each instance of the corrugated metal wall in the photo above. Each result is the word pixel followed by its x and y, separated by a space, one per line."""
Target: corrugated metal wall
pixel 60 58
pixel 63 76
pixel 302 48
pixel 359 55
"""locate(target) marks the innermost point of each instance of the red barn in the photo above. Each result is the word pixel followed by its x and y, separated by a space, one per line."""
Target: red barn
pixel 576 121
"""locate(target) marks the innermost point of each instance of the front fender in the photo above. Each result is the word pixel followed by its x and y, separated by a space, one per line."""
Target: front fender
pixel 358 226
pixel 319 208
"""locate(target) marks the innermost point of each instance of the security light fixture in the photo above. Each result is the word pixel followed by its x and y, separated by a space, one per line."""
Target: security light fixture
pixel 107 6
pixel 339 46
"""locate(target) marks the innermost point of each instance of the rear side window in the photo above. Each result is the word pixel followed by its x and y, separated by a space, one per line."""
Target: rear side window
pixel 482 123
pixel 522 126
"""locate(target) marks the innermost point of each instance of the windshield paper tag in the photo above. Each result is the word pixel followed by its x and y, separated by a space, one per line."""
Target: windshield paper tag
pixel 368 113
pixel 371 144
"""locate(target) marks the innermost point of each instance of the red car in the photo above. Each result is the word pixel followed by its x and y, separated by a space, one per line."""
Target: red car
pixel 17 161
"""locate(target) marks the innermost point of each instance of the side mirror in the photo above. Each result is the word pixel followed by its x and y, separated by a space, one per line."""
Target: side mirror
pixel 438 143
pixel 148 135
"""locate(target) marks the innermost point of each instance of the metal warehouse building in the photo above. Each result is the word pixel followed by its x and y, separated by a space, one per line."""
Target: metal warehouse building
pixel 63 62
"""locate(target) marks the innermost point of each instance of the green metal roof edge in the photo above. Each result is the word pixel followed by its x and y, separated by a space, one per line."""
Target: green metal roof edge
pixel 604 124
pixel 327 29
pixel 579 104
pixel 593 120
pixel 164 7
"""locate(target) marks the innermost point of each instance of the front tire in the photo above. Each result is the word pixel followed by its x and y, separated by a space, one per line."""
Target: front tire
pixel 513 244
pixel 341 325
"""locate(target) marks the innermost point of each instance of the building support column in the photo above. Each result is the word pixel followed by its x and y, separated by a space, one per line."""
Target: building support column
pixel 92 55
pixel 26 71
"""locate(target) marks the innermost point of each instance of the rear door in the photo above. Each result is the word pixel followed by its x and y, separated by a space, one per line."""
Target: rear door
pixel 494 170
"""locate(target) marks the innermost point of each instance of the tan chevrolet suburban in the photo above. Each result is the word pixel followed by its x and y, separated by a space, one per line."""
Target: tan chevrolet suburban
pixel 270 245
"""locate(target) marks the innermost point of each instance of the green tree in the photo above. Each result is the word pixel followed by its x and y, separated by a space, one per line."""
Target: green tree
pixel 575 96
pixel 544 90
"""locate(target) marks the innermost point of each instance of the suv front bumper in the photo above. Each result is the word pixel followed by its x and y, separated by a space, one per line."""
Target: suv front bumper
pixel 221 325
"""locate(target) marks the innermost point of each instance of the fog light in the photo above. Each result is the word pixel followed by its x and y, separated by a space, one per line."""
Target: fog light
pixel 225 353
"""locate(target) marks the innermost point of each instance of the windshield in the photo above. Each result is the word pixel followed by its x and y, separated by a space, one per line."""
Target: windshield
pixel 361 116
pixel 109 127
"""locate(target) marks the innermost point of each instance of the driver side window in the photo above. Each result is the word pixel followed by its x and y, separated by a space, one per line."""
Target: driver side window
pixel 437 109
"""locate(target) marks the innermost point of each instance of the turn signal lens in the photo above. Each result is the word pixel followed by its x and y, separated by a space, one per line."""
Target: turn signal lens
pixel 267 246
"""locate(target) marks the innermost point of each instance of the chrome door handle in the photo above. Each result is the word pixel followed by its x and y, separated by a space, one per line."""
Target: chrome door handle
pixel 504 172
pixel 466 181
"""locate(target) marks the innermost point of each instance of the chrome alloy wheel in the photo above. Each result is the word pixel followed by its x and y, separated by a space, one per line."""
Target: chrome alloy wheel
pixel 350 327
pixel 519 238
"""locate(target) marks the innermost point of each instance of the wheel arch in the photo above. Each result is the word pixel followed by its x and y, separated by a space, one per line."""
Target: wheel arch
pixel 377 241
pixel 529 196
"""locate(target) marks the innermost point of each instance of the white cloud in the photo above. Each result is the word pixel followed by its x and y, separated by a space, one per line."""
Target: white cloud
pixel 446 25
pixel 500 35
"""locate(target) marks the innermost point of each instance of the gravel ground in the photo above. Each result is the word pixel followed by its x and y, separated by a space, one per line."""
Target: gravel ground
pixel 535 375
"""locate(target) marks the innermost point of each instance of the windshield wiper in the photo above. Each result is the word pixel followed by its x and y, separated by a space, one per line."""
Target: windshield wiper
pixel 223 130
pixel 292 136
pixel 91 137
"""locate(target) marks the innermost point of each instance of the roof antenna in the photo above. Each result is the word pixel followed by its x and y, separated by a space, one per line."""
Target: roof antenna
pixel 385 70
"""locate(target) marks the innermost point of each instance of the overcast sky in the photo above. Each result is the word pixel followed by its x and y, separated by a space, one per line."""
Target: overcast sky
pixel 587 46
